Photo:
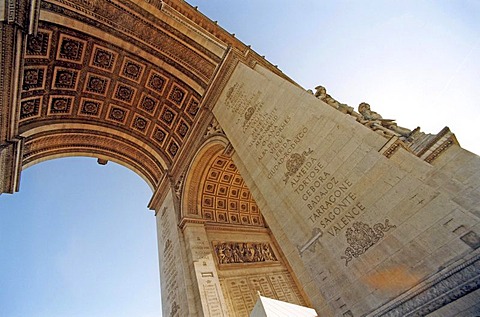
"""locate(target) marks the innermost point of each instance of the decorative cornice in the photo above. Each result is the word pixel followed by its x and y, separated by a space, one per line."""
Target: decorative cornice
pixel 441 148
pixel 185 221
pixel 215 226
pixel 392 146
pixel 434 140
pixel 441 289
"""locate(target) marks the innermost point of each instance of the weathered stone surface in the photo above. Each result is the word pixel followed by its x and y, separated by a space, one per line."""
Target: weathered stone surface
pixel 258 185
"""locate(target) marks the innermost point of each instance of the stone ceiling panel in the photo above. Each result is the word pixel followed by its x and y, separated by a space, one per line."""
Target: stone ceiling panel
pixel 72 77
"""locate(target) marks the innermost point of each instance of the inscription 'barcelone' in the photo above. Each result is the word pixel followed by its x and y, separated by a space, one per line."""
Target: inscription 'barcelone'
pixel 328 199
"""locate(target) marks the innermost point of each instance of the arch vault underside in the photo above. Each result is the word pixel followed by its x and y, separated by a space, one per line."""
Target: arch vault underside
pixel 158 87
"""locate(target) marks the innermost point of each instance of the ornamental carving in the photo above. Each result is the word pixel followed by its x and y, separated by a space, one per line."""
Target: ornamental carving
pixel 182 129
pixel 30 108
pixel 148 104
pixel 33 78
pixel 295 162
pixel 60 105
pixel 193 108
pixel 71 49
pixel 213 128
pixel 96 84
pixel 103 58
pixel 177 95
pixel 37 45
pixel 156 82
pixel 65 78
pixel 178 186
pixel 140 123
pixel 361 237
pixel 167 116
pixel 249 113
pixel 90 107
pixel 173 148
pixel 243 252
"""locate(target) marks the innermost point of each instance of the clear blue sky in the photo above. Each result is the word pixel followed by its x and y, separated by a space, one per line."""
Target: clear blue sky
pixel 78 240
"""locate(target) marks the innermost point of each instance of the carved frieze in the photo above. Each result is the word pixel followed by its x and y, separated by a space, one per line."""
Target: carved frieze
pixel 243 252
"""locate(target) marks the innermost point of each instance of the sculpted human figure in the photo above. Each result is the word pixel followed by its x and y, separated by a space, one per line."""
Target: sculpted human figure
pixel 369 115
pixel 386 127
pixel 321 93
pixel 221 254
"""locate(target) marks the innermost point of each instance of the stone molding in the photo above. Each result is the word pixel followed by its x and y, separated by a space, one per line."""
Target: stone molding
pixel 441 289
pixel 186 221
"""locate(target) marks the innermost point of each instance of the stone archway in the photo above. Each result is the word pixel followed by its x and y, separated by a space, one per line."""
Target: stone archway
pixel 350 197
pixel 235 254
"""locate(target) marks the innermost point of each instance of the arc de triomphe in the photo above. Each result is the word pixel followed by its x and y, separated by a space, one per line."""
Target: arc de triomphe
pixel 258 184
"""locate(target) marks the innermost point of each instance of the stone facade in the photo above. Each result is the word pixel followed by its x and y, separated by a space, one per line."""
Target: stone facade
pixel 277 190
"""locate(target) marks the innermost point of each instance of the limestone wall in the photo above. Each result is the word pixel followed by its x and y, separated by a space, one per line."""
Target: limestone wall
pixel 176 283
pixel 248 262
pixel 358 228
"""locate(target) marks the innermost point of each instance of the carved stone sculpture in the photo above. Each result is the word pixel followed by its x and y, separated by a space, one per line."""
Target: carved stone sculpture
pixel 361 237
pixel 386 127
pixel 321 93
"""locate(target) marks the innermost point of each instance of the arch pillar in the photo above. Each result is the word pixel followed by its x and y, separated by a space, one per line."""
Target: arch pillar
pixel 200 255
pixel 188 275
pixel 14 26
pixel 177 282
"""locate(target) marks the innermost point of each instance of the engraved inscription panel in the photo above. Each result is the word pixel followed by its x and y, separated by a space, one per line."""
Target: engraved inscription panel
pixel 241 292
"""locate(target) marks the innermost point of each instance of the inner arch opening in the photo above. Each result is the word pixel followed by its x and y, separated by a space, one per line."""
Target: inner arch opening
pixel 78 239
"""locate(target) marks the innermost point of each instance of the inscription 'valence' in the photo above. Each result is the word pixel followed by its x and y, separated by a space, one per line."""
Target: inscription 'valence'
pixel 361 237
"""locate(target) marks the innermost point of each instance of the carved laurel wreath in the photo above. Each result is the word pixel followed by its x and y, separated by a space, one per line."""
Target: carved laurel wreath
pixel 295 162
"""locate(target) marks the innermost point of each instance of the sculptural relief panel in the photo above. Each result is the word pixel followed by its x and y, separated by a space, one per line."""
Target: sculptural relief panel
pixel 243 252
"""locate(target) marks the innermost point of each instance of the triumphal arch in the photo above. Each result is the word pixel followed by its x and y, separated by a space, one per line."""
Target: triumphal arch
pixel 258 185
